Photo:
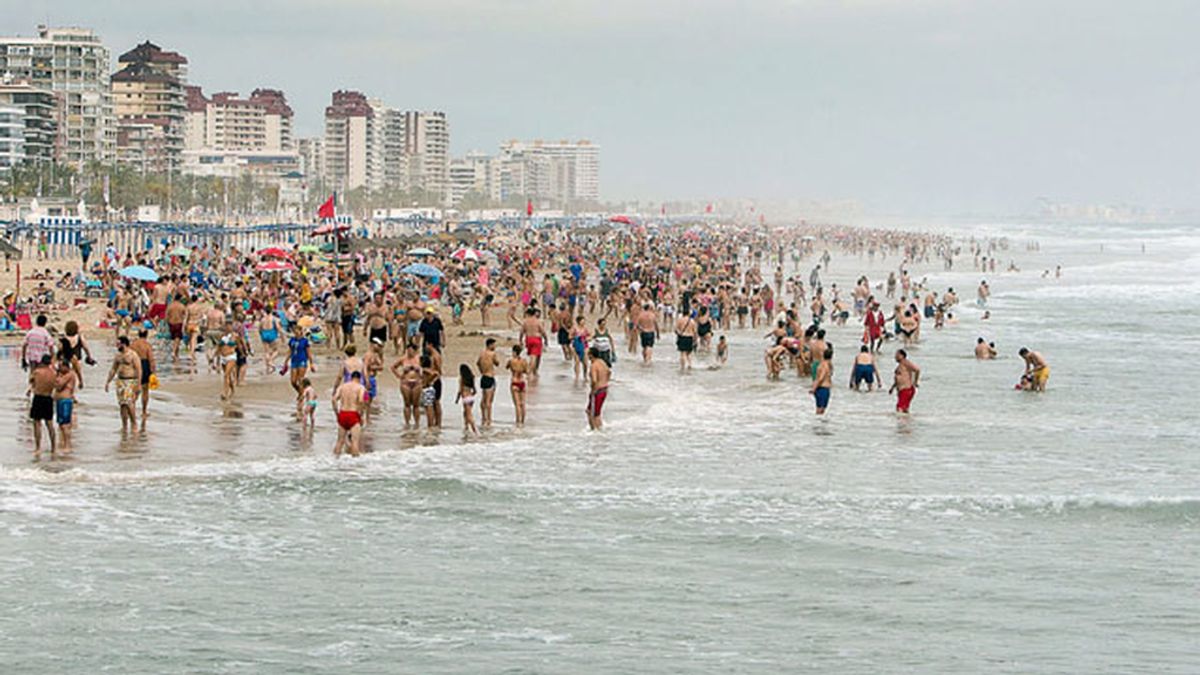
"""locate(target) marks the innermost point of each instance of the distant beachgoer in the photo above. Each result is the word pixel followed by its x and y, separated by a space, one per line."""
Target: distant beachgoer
pixel 348 401
pixel 864 370
pixel 983 350
pixel 599 377
pixel 905 381
pixel 487 363
pixel 519 368
pixel 127 369
pixel 823 381
pixel 466 396
pixel 37 344
pixel 145 352
pixel 306 404
pixel 1036 369
pixel 42 382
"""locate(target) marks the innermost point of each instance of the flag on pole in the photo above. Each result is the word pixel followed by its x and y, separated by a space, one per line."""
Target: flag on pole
pixel 529 208
pixel 708 209
pixel 326 210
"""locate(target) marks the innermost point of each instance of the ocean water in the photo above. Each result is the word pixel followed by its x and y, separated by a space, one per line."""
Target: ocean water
pixel 716 525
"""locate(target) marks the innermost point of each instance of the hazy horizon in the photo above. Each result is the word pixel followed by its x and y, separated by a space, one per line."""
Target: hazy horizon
pixel 920 107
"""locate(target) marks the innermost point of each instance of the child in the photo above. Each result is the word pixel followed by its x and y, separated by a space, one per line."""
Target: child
pixel 64 403
pixel 722 351
pixel 306 405
pixel 466 394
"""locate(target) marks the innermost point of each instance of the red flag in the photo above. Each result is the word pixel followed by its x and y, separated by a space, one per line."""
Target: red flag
pixel 529 208
pixel 326 209
pixel 708 209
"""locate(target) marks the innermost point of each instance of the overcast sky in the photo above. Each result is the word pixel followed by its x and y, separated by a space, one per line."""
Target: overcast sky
pixel 915 106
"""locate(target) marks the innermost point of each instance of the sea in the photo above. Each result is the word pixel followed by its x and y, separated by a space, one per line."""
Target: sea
pixel 715 525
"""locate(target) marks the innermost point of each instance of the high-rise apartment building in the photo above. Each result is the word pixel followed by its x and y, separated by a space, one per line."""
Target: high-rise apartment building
pixel 427 151
pixel 150 105
pixel 41 114
pixel 563 173
pixel 74 64
pixel 474 173
pixel 12 138
pixel 349 140
pixel 312 158
pixel 226 122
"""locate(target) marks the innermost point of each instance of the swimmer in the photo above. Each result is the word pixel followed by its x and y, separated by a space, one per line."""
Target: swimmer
pixel 1036 368
pixel 864 370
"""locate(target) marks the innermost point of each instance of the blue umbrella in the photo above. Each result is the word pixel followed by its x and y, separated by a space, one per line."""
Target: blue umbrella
pixel 421 270
pixel 139 272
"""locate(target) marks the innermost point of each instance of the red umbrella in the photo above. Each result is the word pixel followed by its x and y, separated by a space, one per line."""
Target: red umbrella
pixel 330 228
pixel 621 219
pixel 274 252
pixel 275 266
pixel 467 254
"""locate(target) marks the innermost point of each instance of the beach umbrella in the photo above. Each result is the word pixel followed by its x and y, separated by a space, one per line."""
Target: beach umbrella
pixel 621 219
pixel 275 266
pixel 421 252
pixel 181 252
pixel 330 228
pixel 139 273
pixel 274 252
pixel 421 270
pixel 467 254
pixel 310 248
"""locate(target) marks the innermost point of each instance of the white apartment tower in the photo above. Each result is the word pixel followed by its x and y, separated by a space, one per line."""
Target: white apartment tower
pixel 74 64
pixel 427 150
pixel 563 172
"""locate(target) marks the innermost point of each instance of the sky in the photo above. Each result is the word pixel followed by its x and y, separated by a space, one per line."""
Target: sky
pixel 916 107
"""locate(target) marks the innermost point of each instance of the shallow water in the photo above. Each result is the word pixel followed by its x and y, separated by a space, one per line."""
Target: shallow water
pixel 716 525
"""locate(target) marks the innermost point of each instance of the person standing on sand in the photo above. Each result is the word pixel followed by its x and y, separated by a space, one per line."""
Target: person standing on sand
pixel 175 314
pixel 42 380
pixel 466 396
pixel 519 368
pixel 145 353
pixel 905 381
pixel 299 358
pixel 37 344
pixel 127 369
pixel 348 401
pixel 487 363
pixel 822 384
pixel 599 376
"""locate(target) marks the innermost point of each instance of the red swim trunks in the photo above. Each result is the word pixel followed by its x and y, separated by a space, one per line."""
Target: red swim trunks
pixel 533 345
pixel 904 398
pixel 157 311
pixel 596 401
pixel 348 419
pixel 176 330
pixel 519 386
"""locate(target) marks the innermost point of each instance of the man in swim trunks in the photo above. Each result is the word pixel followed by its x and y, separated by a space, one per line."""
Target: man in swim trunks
pixel 864 370
pixel 145 353
pixel 823 382
pixel 984 351
pixel 647 328
pixel 42 379
pixel 1036 369
pixel 64 402
pixel 533 334
pixel 905 381
pixel 349 399
pixel 487 363
pixel 127 369
pixel 685 340
pixel 175 314
pixel 599 375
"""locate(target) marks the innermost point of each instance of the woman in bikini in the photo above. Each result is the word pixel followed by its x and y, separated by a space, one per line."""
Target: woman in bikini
pixel 407 369
pixel 466 394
